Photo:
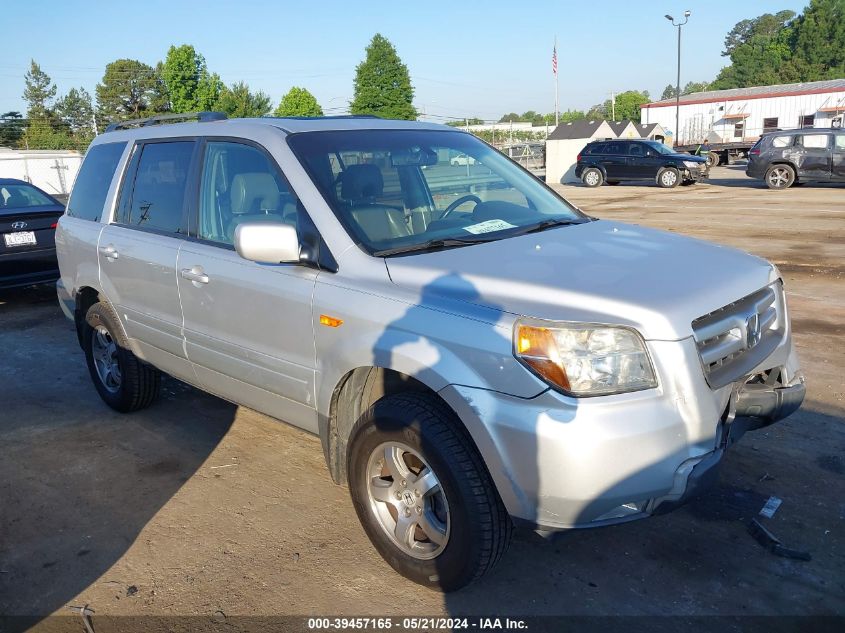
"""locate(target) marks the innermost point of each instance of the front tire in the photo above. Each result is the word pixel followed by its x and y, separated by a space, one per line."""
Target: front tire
pixel 423 494
pixel 668 178
pixel 592 177
pixel 780 176
pixel 124 382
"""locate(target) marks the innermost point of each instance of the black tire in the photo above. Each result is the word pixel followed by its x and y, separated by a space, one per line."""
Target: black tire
pixel 138 384
pixel 592 177
pixel 668 178
pixel 687 183
pixel 780 176
pixel 479 527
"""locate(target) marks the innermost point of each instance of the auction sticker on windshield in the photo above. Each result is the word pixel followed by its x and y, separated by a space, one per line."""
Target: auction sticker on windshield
pixel 489 226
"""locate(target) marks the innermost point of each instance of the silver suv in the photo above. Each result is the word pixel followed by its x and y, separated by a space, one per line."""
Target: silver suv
pixel 473 351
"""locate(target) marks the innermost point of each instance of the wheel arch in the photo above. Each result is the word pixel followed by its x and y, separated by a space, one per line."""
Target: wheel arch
pixel 355 392
pixel 84 297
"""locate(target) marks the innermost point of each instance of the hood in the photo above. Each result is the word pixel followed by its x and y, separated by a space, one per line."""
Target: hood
pixel 689 157
pixel 601 271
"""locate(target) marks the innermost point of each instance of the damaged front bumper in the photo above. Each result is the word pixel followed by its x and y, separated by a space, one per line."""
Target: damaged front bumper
pixel 758 403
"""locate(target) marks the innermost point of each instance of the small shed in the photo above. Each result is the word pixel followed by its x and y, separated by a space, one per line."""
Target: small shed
pixel 624 129
pixel 564 144
pixel 652 131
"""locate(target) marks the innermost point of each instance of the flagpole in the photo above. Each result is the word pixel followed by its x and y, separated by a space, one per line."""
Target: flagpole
pixel 557 107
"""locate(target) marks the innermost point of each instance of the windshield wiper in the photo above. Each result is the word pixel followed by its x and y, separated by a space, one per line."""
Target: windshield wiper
pixel 547 224
pixel 432 245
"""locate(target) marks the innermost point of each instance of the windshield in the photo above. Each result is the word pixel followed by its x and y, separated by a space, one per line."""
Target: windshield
pixel 21 197
pixel 407 190
pixel 660 148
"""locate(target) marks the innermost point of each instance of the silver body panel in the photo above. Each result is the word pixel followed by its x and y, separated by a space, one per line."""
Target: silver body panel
pixel 251 332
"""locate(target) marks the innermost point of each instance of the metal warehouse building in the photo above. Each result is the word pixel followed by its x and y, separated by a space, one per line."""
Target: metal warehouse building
pixel 742 114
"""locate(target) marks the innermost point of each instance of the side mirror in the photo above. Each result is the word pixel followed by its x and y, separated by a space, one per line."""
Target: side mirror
pixel 267 242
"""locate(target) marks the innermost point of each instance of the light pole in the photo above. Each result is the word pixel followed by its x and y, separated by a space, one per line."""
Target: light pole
pixel 678 84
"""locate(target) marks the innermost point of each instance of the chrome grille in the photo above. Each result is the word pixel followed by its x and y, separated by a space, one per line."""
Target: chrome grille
pixel 734 339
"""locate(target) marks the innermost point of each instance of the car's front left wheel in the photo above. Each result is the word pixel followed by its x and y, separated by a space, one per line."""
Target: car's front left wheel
pixel 423 493
pixel 124 382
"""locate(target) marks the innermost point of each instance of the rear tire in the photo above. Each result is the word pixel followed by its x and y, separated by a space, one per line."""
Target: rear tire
pixel 780 176
pixel 713 159
pixel 124 382
pixel 668 177
pixel 592 177
pixel 423 493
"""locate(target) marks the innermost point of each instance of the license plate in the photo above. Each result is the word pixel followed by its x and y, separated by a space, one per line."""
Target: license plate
pixel 22 238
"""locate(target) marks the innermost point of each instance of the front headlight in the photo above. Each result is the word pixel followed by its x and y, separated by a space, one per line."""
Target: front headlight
pixel 584 359
pixel 691 164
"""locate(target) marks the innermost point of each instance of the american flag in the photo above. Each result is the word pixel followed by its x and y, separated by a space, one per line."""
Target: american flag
pixel 554 59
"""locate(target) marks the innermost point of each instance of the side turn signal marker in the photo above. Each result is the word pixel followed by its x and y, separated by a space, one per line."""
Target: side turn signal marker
pixel 330 321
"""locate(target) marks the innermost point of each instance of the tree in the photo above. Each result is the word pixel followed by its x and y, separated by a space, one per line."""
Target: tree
pixel 190 87
pixel 130 89
pixel 510 116
pixel 76 111
pixel 627 105
pixel 767 26
pixel 238 102
pixel 298 102
pixel 11 129
pixel 818 41
pixel 383 84
pixel 38 92
pixel 669 92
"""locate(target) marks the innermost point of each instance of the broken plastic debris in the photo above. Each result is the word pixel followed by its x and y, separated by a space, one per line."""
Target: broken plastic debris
pixel 771 507
pixel 773 544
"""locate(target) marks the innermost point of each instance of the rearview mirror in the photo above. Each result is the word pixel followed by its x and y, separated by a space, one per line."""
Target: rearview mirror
pixel 413 157
pixel 267 242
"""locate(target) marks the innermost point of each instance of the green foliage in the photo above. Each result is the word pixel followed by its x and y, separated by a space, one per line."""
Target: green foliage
pixel 11 128
pixel 76 111
pixel 627 106
pixel 129 90
pixel 669 91
pixel 781 48
pixel 190 87
pixel 38 92
pixel 41 134
pixel 237 101
pixel 383 84
pixel 473 120
pixel 298 102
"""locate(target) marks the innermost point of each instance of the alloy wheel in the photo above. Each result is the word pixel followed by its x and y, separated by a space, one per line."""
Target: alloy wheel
pixel 104 352
pixel 407 500
pixel 778 177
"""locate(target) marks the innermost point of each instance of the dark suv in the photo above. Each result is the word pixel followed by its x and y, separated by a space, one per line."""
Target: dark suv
pixel 784 158
pixel 640 159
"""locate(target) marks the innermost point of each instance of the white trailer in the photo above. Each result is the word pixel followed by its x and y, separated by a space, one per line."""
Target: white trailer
pixel 732 120
pixel 54 171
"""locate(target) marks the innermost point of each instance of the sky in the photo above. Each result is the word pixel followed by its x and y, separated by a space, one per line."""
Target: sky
pixel 465 58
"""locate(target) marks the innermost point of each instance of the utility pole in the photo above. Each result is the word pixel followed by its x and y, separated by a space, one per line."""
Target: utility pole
pixel 678 82
pixel 612 106
pixel 557 96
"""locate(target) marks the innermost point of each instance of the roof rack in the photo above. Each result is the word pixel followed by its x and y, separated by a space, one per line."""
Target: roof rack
pixel 330 116
pixel 201 117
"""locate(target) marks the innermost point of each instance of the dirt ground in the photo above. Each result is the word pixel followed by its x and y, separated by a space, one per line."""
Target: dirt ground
pixel 196 506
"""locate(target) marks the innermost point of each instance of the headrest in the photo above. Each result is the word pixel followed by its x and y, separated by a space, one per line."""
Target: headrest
pixel 360 182
pixel 253 193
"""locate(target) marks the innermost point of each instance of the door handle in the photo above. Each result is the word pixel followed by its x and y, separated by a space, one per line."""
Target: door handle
pixel 109 252
pixel 194 274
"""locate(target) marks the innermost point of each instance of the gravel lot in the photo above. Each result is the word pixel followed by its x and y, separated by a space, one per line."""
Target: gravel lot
pixel 195 506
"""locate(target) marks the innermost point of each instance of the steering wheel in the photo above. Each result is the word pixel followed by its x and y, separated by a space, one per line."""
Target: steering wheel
pixel 456 203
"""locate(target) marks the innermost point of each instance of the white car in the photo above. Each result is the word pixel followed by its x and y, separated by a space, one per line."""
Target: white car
pixel 462 159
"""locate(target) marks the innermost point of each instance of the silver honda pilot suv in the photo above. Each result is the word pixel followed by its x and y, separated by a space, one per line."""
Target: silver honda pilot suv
pixel 473 351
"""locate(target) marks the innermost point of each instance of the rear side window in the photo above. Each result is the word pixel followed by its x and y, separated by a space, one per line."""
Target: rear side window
pixel 157 198
pixel 599 148
pixel 840 141
pixel 782 141
pixel 92 184
pixel 814 141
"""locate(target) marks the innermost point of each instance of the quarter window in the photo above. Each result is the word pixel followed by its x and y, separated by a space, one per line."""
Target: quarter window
pixel 782 141
pixel 93 181
pixel 158 195
pixel 240 184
